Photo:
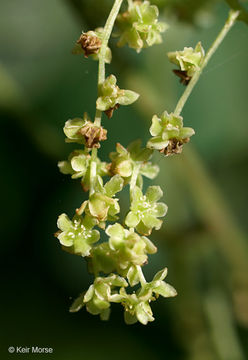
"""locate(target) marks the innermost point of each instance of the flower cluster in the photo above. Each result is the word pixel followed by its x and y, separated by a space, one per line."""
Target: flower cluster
pixel 139 26
pixel 117 258
pixel 136 305
pixel 189 61
pixel 168 134
pixel 111 96
pixel 99 295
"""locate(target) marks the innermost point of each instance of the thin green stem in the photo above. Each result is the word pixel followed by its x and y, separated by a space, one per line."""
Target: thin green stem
pixel 134 178
pixel 227 27
pixel 101 77
pixel 93 171
pixel 106 35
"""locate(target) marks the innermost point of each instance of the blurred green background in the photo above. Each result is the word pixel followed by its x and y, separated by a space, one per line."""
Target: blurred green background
pixel 204 238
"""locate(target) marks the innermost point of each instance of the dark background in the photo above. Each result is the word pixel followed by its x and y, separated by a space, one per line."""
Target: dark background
pixel 204 238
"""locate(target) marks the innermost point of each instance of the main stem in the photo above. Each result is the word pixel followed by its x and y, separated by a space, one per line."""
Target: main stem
pixel 227 27
pixel 101 77
pixel 102 54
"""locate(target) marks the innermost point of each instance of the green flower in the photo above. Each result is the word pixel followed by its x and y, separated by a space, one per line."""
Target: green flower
pixel 145 210
pixel 137 306
pixel 136 309
pixel 99 295
pixel 101 204
pixel 139 26
pixel 128 248
pixel 111 97
pixel 168 133
pixel 77 235
pixel 124 161
pixel 189 60
pixel 90 43
pixel 157 287
pixel 78 166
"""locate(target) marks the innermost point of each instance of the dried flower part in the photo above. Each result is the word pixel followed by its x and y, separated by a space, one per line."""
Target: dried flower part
pixel 175 146
pixel 93 135
pixel 111 96
pixel 168 133
pixel 189 60
pixel 184 77
pixel 83 131
pixel 139 26
pixel 90 43
pixel 110 111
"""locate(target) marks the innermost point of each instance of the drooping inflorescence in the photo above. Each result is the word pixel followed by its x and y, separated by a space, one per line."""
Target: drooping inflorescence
pixel 117 263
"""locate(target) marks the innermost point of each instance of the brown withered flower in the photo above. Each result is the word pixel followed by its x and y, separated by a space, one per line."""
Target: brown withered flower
pixel 93 135
pixel 110 111
pixel 175 146
pixel 184 77
pixel 90 43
